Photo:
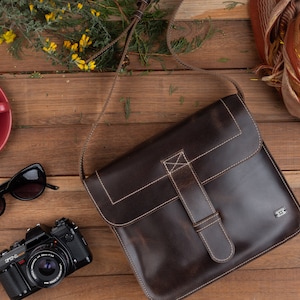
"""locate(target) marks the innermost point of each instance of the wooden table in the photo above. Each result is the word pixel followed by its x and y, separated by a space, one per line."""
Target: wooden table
pixel 52 115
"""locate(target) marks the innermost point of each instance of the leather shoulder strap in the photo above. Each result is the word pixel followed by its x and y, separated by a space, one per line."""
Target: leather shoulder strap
pixel 128 32
pixel 189 66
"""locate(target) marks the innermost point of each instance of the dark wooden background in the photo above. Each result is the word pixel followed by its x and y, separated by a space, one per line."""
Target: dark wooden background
pixel 53 114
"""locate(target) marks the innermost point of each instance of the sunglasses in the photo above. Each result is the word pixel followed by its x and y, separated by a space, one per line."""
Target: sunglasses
pixel 27 184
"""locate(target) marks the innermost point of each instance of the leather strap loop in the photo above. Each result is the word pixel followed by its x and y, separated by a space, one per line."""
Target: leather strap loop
pixel 203 215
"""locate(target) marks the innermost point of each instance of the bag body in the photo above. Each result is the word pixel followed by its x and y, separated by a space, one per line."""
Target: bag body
pixel 196 202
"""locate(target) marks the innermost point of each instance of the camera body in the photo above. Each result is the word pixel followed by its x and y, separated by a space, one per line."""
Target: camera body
pixel 43 258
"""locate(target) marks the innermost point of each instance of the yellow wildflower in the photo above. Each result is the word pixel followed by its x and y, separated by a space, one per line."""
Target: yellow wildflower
pixel 78 61
pixel 31 7
pixel 67 44
pixel 9 36
pixel 84 67
pixel 74 47
pixel 92 65
pixel 1 40
pixel 50 47
pixel 81 64
pixel 95 13
pixel 69 6
pixel 84 42
pixel 74 56
pixel 50 17
pixel 79 5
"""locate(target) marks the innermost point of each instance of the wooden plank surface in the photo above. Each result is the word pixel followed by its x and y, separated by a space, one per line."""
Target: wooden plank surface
pixel 232 49
pixel 53 114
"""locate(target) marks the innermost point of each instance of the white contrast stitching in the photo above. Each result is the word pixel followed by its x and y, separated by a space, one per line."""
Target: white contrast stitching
pixel 196 158
pixel 200 232
pixel 133 220
pixel 182 154
pixel 208 225
pixel 211 252
pixel 207 219
pixel 239 265
pixel 246 158
pixel 174 165
pixel 282 179
pixel 178 190
pixel 202 189
pixel 130 194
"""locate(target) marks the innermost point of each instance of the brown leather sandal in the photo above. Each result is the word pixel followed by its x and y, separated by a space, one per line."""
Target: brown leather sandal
pixel 276 27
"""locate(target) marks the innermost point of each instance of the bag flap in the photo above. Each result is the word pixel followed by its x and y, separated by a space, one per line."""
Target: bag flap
pixel 214 140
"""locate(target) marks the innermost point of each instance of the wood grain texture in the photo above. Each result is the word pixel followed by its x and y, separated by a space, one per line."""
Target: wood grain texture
pixel 53 115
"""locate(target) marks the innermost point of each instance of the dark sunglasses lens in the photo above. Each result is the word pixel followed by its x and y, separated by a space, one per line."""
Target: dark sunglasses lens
pixel 28 185
pixel 2 205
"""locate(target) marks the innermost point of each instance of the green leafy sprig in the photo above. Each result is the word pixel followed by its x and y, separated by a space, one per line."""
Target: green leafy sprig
pixel 70 32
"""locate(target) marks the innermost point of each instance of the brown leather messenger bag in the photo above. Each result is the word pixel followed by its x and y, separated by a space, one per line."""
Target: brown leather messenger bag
pixel 196 202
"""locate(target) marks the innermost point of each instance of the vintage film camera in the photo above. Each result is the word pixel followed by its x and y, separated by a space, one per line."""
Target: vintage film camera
pixel 43 259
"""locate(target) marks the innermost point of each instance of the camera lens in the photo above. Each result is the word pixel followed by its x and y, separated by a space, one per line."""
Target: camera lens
pixel 47 267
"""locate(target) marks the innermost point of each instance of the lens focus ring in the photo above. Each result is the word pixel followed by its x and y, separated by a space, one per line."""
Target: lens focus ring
pixel 46 268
